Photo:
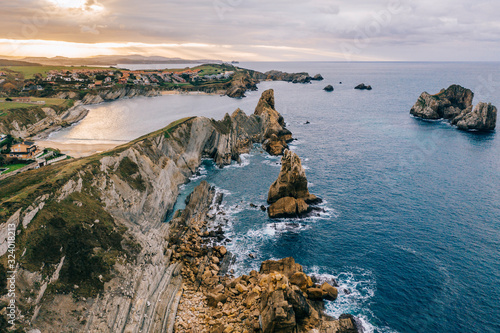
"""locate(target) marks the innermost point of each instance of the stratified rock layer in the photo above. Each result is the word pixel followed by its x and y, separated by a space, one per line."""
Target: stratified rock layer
pixel 455 104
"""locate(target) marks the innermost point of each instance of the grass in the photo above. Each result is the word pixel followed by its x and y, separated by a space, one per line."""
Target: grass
pixel 12 167
pixel 30 71
pixel 16 105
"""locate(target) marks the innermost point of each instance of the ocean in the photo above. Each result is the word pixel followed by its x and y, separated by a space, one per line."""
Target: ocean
pixel 411 220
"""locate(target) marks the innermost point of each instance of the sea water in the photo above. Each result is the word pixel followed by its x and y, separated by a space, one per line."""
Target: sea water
pixel 411 221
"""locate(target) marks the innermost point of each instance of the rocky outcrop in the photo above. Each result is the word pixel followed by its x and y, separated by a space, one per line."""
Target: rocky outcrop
pixel 276 135
pixel 114 204
pixel 288 77
pixel 328 88
pixel 51 122
pixel 482 118
pixel 289 195
pixel 240 84
pixel 455 104
pixel 278 298
pixel 107 95
pixel 362 86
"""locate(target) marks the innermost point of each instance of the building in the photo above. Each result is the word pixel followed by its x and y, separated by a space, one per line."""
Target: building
pixel 22 99
pixel 24 151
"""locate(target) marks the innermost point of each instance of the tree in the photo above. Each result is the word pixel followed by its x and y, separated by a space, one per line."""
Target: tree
pixel 9 87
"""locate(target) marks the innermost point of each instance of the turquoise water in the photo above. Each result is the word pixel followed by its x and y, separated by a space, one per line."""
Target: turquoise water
pixel 411 228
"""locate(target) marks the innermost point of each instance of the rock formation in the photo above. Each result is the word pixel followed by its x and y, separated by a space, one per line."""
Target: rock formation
pixel 276 135
pixel 289 195
pixel 45 121
pixel 482 118
pixel 317 77
pixel 455 104
pixel 113 205
pixel 362 86
pixel 328 88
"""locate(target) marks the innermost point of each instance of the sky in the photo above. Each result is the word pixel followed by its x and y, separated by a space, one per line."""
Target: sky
pixel 255 30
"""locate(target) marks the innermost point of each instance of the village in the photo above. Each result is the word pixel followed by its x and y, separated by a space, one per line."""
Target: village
pixel 25 87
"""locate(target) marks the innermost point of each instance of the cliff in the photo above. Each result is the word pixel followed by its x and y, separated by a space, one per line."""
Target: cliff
pixel 93 251
pixel 28 122
pixel 455 104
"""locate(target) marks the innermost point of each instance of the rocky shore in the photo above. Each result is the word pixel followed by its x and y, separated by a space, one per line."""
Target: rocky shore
pixel 278 298
pixel 97 257
pixel 455 104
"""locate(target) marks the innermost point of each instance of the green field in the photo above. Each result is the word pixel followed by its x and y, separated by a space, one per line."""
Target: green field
pixel 12 167
pixel 30 71
pixel 16 105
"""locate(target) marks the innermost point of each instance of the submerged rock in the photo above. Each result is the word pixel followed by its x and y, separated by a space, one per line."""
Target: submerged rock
pixel 289 195
pixel 455 104
pixel 362 86
pixel 328 88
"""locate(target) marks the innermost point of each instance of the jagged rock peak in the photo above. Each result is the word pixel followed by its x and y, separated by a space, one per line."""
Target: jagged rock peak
pixel 289 195
pixel 276 135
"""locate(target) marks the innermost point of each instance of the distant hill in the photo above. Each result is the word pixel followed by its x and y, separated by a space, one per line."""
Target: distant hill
pixel 106 60
pixel 7 62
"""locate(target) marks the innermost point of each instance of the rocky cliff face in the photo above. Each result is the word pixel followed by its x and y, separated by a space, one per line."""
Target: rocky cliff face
pixel 289 195
pixel 455 104
pixel 47 122
pixel 96 255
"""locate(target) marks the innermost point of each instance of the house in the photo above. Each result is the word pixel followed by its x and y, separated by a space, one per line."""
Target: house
pixel 22 99
pixel 25 150
pixel 98 83
pixel 107 80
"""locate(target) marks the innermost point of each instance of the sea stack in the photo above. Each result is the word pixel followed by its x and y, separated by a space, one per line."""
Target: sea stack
pixel 289 195
pixel 455 104
pixel 276 135
pixel 328 88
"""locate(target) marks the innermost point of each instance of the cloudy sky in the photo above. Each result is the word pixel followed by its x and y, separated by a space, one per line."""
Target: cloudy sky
pixel 275 30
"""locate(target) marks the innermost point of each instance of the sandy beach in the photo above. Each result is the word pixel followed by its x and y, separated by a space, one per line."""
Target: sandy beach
pixel 77 150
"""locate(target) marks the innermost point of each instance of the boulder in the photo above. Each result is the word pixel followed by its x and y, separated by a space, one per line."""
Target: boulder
pixel 328 88
pixel 288 207
pixel 286 266
pixel 330 293
pixel 300 279
pixel 362 86
pixel 455 104
pixel 315 293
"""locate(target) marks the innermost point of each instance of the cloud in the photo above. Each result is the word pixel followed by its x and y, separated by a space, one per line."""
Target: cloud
pixel 321 25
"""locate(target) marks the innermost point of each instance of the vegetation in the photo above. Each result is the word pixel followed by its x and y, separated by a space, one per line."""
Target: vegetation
pixel 128 170
pixel 29 72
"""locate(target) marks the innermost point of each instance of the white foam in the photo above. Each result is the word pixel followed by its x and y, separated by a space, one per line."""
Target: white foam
pixel 244 161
